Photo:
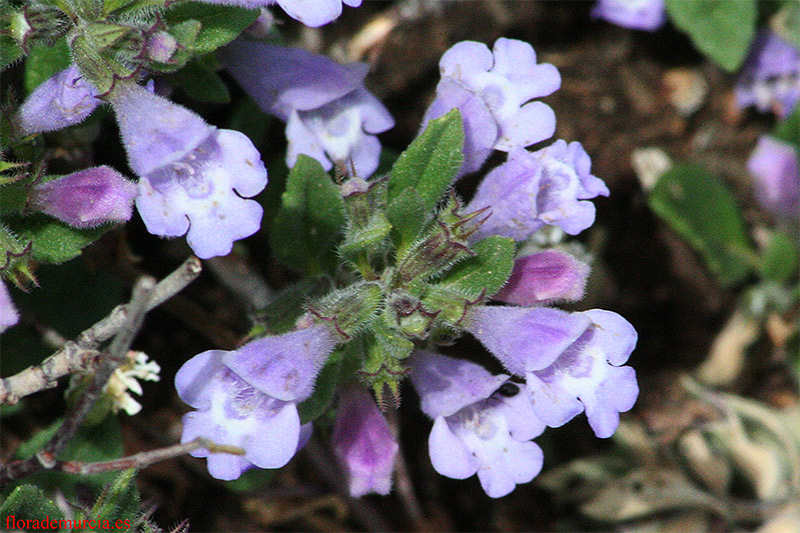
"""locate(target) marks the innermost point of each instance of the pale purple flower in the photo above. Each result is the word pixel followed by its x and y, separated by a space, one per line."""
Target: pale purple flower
pixel 194 178
pixel 531 190
pixel 330 116
pixel 493 91
pixel 648 15
pixel 313 13
pixel 482 423
pixel 544 277
pixel 161 46
pixel 363 443
pixel 8 312
pixel 64 100
pixel 770 78
pixel 776 172
pixel 86 198
pixel 248 398
pixel 589 376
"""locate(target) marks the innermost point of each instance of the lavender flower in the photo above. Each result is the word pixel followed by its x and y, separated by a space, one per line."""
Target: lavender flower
pixel 570 361
pixel 770 78
pixel 775 168
pixel 493 89
pixel 248 398
pixel 330 115
pixel 531 190
pixel 193 177
pixel 64 100
pixel 482 423
pixel 363 443
pixel 313 14
pixel 87 198
pixel 648 15
pixel 544 277
pixel 8 312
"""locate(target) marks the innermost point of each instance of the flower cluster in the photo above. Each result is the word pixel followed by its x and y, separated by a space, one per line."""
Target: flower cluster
pixel 770 78
pixel 403 302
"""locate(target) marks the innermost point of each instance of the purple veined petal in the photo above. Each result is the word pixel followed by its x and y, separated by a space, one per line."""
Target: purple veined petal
pixel 241 159
pixel 155 208
pixel 363 443
pixel 532 123
pixel 480 128
pixel 87 198
pixel 220 465
pixel 526 339
pixel 614 334
pixel 192 379
pixel 281 79
pixel 552 405
pixel 63 100
pixel 447 385
pixel 156 132
pixel 273 448
pixel 523 423
pixel 449 456
pixel 213 231
pixel 544 277
pixel 648 15
pixel 516 463
pixel 465 59
pixel 303 141
pixel 283 367
pixel 8 312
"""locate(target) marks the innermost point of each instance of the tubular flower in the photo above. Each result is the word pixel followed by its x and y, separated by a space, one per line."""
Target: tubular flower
pixel 314 14
pixel 493 90
pixel 544 277
pixel 770 78
pixel 531 190
pixel 482 423
pixel 330 116
pixel 363 443
pixel 194 178
pixel 87 198
pixel 8 312
pixel 775 167
pixel 248 398
pixel 648 15
pixel 64 100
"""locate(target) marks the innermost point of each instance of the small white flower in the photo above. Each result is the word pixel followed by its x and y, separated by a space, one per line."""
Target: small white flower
pixel 124 379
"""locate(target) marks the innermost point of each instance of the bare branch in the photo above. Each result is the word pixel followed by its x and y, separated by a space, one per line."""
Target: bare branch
pixel 80 355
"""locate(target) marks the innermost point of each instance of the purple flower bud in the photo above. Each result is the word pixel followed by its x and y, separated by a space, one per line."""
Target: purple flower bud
pixel 312 14
pixel 501 84
pixel 775 168
pixel 8 312
pixel 648 15
pixel 770 78
pixel 363 443
pixel 526 339
pixel 532 190
pixel 589 376
pixel 193 177
pixel 63 100
pixel 330 115
pixel 232 412
pixel 482 423
pixel 543 278
pixel 87 198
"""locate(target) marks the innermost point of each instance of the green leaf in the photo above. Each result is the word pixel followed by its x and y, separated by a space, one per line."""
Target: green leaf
pixel 408 217
pixel 29 503
pixel 201 83
pixel 787 22
pixel 780 259
pixel 119 500
pixel 703 211
pixel 44 62
pixel 431 162
pixel 281 315
pixel 309 223
pixel 721 29
pixel 788 130
pixel 220 24
pixel 53 240
pixel 487 271
pixel 252 480
pixel 10 51
pixel 324 389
